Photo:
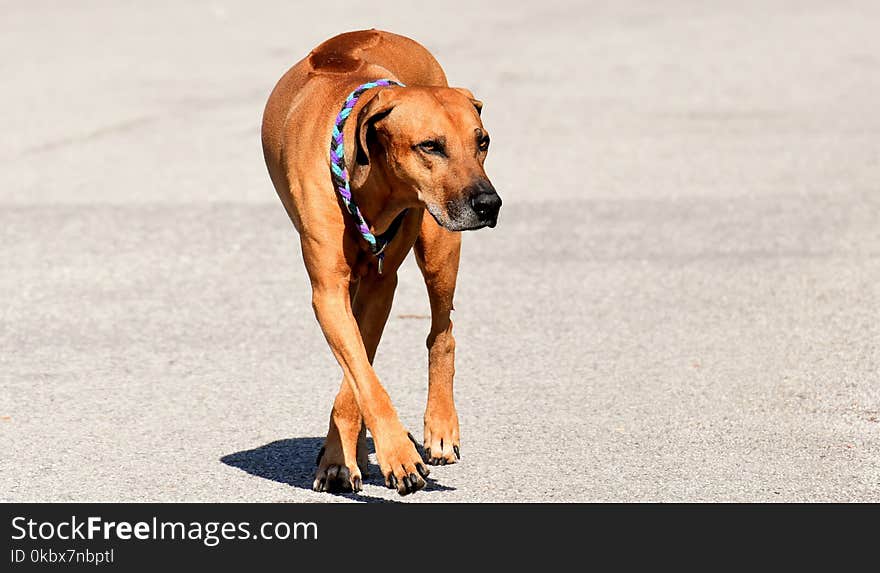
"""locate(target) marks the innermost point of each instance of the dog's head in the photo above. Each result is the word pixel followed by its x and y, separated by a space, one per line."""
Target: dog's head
pixel 429 145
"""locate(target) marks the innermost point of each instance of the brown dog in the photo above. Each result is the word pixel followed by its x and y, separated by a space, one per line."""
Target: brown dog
pixel 408 149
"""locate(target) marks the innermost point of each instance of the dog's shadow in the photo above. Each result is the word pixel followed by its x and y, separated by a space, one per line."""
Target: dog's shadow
pixel 292 462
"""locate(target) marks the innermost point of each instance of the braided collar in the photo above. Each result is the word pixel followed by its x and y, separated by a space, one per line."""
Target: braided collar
pixel 339 174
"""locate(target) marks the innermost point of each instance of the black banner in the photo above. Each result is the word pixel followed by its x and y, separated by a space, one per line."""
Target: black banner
pixel 128 537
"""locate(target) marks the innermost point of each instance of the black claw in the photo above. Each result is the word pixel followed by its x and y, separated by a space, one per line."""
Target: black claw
pixel 356 484
pixel 428 453
pixel 442 461
pixel 457 452
pixel 392 482
pixel 414 480
pixel 423 471
pixel 320 455
pixel 406 485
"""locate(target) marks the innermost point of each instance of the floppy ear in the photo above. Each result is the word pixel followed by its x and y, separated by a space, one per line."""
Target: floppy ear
pixel 376 109
pixel 467 93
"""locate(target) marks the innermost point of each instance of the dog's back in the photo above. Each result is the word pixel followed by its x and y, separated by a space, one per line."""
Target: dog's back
pixel 356 52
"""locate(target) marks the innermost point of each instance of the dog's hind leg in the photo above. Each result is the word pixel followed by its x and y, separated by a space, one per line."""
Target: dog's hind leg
pixel 437 253
pixel 342 461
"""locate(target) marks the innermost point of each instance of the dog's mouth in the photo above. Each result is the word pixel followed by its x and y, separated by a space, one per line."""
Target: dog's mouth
pixel 461 216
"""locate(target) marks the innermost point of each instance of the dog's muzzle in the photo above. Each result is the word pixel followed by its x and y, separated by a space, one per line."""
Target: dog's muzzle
pixel 476 207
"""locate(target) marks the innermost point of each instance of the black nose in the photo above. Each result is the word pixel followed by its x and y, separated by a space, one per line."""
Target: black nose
pixel 486 204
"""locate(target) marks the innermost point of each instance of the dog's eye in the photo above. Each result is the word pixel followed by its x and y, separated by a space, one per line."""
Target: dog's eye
pixel 431 146
pixel 484 143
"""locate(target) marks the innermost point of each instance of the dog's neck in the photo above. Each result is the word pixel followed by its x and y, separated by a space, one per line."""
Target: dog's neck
pixel 378 201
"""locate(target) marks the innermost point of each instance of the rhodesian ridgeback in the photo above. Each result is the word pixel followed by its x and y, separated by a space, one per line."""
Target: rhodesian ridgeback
pixel 361 138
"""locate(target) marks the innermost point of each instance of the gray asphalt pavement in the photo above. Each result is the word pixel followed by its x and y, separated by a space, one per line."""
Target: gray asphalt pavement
pixel 680 302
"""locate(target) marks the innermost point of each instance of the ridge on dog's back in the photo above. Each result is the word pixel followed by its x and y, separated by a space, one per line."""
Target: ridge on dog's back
pixel 351 52
pixel 340 53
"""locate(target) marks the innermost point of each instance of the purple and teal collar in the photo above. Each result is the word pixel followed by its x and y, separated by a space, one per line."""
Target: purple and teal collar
pixel 339 173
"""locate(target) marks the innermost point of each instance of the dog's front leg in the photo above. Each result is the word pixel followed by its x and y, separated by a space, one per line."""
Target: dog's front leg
pixel 399 461
pixel 437 253
pixel 343 459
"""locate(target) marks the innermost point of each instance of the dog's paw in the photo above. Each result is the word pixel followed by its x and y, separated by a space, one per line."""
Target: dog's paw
pixel 442 441
pixel 334 475
pixel 400 462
